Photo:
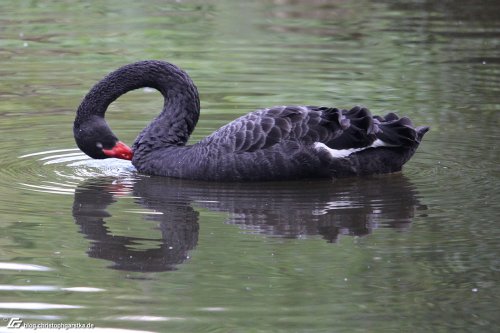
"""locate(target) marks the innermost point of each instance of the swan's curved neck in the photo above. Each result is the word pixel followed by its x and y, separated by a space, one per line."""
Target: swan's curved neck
pixel 181 107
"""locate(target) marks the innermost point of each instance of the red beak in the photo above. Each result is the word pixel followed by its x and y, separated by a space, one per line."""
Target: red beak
pixel 120 150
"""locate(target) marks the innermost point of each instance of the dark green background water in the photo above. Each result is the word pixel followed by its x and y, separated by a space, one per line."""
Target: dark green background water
pixel 92 241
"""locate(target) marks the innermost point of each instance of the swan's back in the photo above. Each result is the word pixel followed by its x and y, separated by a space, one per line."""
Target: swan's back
pixel 293 142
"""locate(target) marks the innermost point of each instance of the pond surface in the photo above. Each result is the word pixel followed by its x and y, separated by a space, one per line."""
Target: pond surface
pixel 86 241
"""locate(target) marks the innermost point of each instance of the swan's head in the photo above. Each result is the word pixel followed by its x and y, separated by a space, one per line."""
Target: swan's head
pixel 95 138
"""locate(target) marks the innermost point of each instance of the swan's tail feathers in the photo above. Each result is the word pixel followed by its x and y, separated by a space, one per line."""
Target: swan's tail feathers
pixel 421 130
pixel 361 132
pixel 394 141
pixel 399 132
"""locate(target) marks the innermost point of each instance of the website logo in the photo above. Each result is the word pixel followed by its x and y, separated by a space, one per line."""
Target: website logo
pixel 14 323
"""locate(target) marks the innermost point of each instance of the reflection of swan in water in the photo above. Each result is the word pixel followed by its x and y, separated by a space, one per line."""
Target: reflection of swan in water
pixel 178 226
pixel 292 209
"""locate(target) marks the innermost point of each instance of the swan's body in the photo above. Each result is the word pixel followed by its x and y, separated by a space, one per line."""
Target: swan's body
pixel 279 143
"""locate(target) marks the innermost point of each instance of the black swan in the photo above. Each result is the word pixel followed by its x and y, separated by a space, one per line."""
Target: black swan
pixel 279 143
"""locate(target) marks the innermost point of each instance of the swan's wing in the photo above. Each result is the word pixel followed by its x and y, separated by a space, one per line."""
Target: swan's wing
pixel 264 128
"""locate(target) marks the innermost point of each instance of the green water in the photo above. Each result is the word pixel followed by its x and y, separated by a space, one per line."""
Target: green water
pixel 85 241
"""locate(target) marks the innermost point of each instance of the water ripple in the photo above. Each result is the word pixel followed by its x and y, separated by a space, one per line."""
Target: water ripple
pixel 22 267
pixel 36 306
pixel 148 318
pixel 59 171
pixel 5 287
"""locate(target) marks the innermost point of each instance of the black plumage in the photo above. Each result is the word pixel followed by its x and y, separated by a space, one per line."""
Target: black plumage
pixel 278 143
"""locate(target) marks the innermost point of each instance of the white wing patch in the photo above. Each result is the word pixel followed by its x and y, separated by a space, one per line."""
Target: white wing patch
pixel 336 153
pixel 379 143
pixel 342 153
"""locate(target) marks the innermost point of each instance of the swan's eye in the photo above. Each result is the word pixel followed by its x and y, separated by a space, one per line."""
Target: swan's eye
pixel 98 145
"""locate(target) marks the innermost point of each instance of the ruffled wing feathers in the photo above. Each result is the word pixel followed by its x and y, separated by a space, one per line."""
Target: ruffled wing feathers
pixel 336 128
pixel 262 129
